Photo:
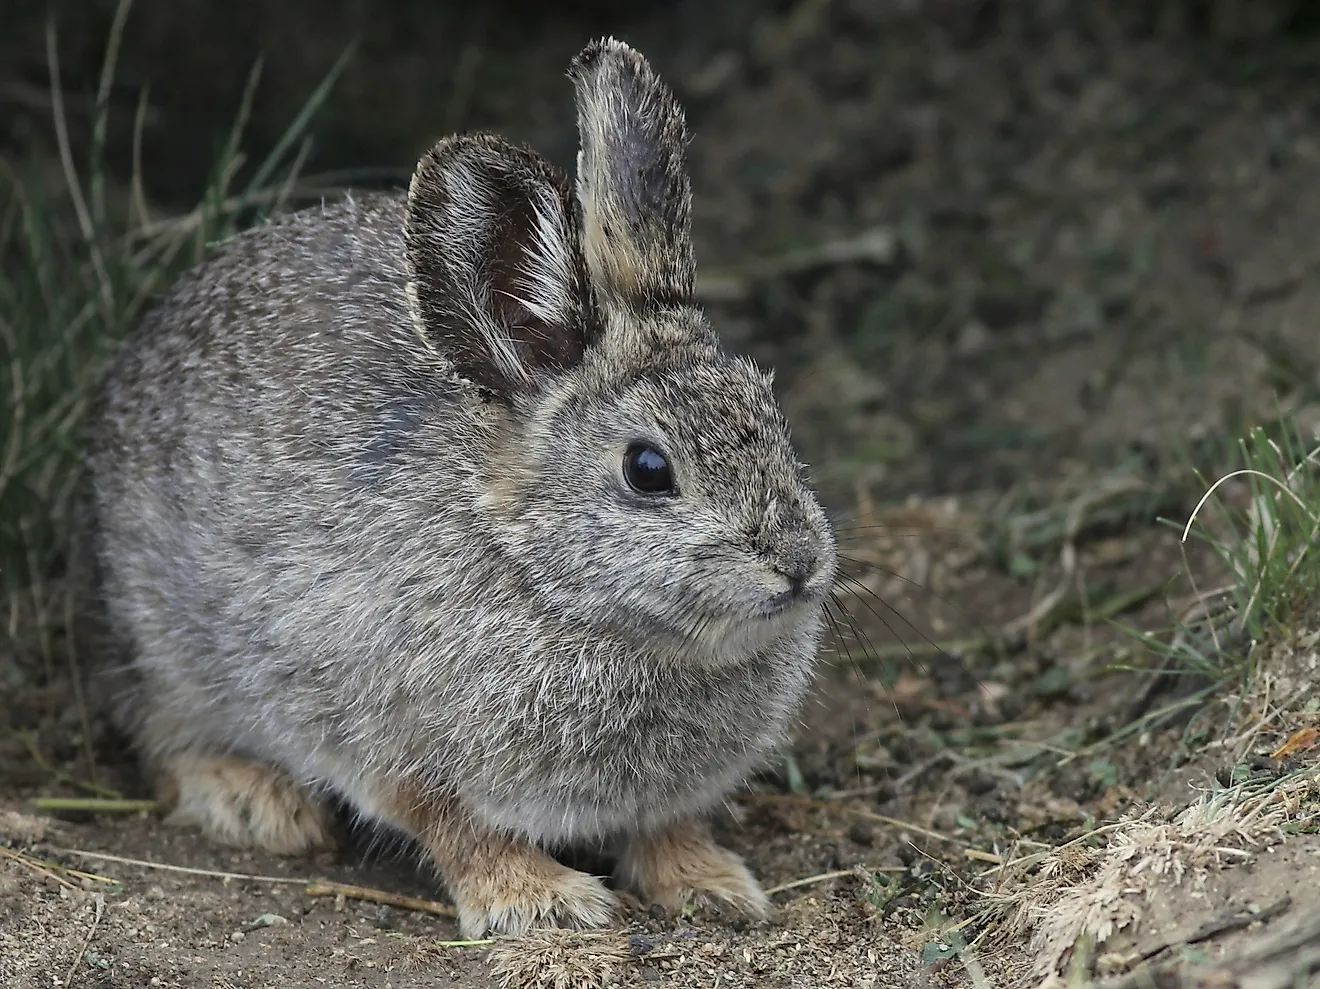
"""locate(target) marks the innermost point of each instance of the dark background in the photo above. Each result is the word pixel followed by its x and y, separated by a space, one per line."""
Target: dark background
pixel 427 68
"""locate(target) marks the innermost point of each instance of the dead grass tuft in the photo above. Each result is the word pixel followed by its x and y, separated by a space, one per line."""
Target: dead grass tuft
pixel 560 959
pixel 1099 884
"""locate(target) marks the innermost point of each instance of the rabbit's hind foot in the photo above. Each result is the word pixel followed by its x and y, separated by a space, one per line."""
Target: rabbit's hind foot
pixel 683 866
pixel 244 804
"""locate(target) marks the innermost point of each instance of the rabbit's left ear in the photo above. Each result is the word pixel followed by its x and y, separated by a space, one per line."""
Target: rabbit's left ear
pixel 496 276
pixel 632 179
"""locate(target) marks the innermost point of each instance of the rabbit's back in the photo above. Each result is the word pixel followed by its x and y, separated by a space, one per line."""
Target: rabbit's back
pixel 244 441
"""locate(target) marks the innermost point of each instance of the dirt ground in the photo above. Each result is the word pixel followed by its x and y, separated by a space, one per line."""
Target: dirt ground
pixel 1014 269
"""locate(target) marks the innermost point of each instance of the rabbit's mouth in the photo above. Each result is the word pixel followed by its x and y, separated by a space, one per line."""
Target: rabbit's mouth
pixel 807 587
pixel 788 600
pixel 743 635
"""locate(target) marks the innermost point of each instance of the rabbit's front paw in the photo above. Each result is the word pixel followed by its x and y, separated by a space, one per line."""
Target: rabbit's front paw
pixel 683 866
pixel 528 890
pixel 246 804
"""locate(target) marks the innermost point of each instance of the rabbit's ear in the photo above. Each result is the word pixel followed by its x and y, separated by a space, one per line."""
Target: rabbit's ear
pixel 632 178
pixel 496 274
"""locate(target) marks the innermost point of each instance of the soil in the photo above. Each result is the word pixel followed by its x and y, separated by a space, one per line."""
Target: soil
pixel 1089 262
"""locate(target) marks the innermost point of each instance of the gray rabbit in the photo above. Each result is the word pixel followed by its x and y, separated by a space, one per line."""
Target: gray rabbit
pixel 453 506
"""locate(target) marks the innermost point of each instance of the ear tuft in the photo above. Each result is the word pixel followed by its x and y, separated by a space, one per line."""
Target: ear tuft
pixel 632 178
pixel 496 274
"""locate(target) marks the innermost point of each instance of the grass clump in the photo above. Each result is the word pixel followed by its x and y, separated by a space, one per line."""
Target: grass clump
pixel 1274 558
pixel 1261 521
pixel 80 258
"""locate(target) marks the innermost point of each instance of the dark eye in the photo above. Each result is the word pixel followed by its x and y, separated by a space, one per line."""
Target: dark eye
pixel 646 470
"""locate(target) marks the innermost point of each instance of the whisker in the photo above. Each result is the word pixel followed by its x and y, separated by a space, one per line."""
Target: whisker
pixel 857 673
pixel 838 632
pixel 876 568
pixel 856 583
pixel 866 640
pixel 859 634
pixel 915 528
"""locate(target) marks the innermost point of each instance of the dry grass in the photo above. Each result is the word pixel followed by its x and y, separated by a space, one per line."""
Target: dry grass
pixel 560 960
pixel 80 258
pixel 1075 897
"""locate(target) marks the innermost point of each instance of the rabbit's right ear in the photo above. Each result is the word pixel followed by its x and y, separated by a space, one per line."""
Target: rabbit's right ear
pixel 496 278
pixel 632 178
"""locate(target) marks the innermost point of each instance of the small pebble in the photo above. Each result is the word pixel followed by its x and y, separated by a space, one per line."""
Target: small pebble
pixel 862 834
pixel 237 936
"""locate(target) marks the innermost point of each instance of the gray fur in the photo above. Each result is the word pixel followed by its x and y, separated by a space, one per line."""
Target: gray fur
pixel 360 516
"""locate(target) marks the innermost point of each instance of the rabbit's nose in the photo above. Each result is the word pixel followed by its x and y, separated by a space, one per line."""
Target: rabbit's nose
pixel 798 559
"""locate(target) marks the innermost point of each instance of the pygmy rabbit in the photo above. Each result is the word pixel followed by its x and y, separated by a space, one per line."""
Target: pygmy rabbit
pixel 452 505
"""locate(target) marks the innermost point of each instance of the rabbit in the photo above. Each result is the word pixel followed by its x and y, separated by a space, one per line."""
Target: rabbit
pixel 452 506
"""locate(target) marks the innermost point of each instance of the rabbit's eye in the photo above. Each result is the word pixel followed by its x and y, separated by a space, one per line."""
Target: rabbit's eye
pixel 647 471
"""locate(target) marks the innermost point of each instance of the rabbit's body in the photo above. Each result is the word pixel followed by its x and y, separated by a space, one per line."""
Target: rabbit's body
pixel 360 521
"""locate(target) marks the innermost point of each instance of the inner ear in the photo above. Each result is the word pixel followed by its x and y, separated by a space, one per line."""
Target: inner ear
pixel 525 298
pixel 496 274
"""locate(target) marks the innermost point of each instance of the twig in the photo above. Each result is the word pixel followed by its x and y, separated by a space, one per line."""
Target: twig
pixel 731 284
pixel 209 873
pixel 1256 962
pixel 97 805
pixel 1137 725
pixel 857 791
pixel 312 887
pixel 809 881
pixel 870 815
pixel 96 922
pixel 921 769
pixel 1034 857
pixel 41 865
pixel 79 874
pixel 321 887
pixel 1234 920
pixel 35 866
pixel 42 762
